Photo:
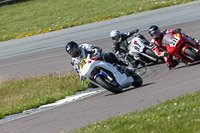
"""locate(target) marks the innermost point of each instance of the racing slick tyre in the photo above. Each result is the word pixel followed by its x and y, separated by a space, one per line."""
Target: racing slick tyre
pixel 113 86
pixel 137 80
pixel 192 53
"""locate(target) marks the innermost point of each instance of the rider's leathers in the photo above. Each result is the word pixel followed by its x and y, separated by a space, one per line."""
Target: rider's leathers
pixel 160 50
pixel 84 51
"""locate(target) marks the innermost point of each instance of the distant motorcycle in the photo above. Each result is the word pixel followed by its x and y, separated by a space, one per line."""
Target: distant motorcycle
pixel 181 46
pixel 141 51
pixel 112 77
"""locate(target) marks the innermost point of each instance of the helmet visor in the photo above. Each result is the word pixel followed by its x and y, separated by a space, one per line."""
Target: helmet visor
pixel 155 34
pixel 116 37
pixel 73 51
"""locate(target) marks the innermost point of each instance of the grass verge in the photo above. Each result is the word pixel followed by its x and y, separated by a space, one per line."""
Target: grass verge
pixel 39 16
pixel 27 93
pixel 180 115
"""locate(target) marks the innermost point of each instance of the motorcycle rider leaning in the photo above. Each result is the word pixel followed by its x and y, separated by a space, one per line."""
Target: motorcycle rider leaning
pixel 159 49
pixel 120 44
pixel 79 52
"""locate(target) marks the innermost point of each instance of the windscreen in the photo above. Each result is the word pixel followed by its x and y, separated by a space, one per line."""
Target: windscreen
pixel 167 39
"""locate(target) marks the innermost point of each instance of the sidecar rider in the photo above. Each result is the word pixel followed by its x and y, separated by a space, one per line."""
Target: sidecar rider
pixel 159 49
pixel 79 52
pixel 120 44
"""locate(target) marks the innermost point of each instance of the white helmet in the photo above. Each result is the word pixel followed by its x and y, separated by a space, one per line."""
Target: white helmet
pixel 115 35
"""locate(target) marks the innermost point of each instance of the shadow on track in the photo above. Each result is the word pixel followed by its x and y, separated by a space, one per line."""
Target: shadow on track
pixel 154 64
pixel 133 88
pixel 150 64
pixel 189 65
pixel 129 89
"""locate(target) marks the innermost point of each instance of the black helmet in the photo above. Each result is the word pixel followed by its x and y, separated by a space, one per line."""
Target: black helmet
pixel 72 49
pixel 155 32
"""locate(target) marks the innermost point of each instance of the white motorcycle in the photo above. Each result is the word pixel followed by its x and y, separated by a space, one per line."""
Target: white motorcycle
pixel 106 75
pixel 141 51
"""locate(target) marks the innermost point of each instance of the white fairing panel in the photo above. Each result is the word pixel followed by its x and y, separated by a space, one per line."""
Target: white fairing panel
pixel 122 79
pixel 136 46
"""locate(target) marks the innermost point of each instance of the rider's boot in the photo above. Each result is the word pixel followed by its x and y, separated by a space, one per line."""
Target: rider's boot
pixel 176 62
pixel 185 62
pixel 130 60
pixel 170 67
pixel 135 64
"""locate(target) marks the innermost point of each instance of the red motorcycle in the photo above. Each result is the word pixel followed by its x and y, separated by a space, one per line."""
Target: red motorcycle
pixel 181 46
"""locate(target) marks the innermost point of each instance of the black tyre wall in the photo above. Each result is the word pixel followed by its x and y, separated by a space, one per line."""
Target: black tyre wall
pixel 191 53
pixel 101 81
pixel 137 80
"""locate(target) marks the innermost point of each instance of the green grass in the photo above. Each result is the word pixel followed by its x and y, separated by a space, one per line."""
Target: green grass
pixel 181 115
pixel 39 16
pixel 27 93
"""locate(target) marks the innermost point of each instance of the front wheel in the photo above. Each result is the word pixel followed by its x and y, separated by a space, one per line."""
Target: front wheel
pixel 192 53
pixel 113 87
pixel 137 80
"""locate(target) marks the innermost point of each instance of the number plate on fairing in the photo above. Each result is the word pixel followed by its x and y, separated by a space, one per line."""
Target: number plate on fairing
pixel 82 63
pixel 136 46
pixel 174 41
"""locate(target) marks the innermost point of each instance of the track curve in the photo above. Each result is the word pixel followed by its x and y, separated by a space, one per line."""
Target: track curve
pixel 159 84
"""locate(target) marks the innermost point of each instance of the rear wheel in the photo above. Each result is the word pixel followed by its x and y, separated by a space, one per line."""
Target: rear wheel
pixel 190 52
pixel 113 86
pixel 137 80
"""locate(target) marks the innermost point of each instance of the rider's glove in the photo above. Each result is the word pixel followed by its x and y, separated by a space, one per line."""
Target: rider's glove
pixel 134 31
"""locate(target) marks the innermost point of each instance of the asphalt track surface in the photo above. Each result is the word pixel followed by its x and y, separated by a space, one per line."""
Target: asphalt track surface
pixel 159 85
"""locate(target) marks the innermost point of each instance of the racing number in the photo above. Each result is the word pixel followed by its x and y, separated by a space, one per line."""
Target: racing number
pixel 136 47
pixel 82 63
pixel 174 41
